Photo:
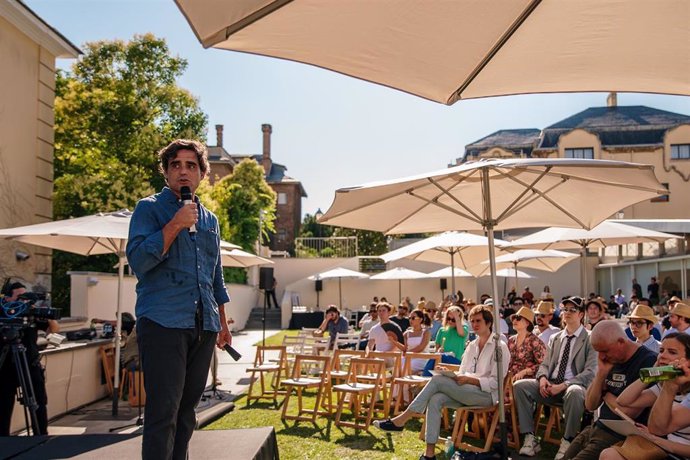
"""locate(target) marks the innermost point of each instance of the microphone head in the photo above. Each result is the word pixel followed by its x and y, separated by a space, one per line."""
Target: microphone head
pixel 185 193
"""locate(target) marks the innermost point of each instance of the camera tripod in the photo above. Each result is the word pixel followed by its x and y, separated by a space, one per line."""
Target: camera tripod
pixel 11 339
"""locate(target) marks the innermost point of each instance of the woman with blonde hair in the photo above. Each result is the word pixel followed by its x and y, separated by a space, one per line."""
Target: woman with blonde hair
pixel 451 338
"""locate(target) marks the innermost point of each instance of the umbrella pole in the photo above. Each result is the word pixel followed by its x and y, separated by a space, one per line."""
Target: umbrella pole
pixel 489 227
pixel 516 277
pixel 583 271
pixel 340 294
pixel 400 292
pixel 452 272
pixel 118 329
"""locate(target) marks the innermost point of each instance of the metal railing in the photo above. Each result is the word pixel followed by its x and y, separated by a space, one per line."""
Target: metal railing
pixel 335 246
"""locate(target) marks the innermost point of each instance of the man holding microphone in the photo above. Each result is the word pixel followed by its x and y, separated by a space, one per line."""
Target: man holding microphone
pixel 174 250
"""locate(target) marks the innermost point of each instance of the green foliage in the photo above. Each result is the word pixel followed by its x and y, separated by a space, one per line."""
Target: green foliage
pixel 368 243
pixel 114 109
pixel 237 200
pixel 311 228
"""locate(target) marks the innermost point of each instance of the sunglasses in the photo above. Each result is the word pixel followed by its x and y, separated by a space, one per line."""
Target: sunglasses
pixel 637 323
pixel 541 315
pixel 517 318
pixel 571 310
pixel 452 320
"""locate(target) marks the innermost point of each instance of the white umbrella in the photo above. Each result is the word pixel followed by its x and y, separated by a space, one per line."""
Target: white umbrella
pixel 510 273
pixel 102 233
pixel 496 194
pixel 399 273
pixel 339 273
pixel 239 258
pixel 605 234
pixel 470 250
pixel 448 272
pixel 450 50
pixel 546 260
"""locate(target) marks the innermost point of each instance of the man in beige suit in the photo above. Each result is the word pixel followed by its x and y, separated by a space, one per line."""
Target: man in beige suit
pixel 562 379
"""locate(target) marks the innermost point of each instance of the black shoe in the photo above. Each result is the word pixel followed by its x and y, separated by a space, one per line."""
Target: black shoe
pixel 387 425
pixel 424 457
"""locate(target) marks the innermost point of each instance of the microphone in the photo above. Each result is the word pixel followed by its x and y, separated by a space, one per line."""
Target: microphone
pixel 186 195
pixel 232 352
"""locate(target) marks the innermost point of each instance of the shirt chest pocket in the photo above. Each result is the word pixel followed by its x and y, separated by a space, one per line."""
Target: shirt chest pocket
pixel 208 244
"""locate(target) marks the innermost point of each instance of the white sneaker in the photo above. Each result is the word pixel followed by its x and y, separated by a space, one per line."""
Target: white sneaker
pixel 561 450
pixel 530 447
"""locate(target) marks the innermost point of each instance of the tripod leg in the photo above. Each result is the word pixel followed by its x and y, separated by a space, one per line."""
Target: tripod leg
pixel 26 388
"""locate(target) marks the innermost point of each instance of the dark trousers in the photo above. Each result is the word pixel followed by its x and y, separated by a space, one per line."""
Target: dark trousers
pixel 175 364
pixel 271 295
pixel 8 393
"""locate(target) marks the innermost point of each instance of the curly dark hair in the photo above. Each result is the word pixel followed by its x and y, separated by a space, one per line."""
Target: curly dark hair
pixel 169 152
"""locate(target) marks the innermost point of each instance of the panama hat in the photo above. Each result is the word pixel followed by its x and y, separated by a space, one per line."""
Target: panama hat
pixel 675 298
pixel 526 313
pixel 544 307
pixel 644 312
pixel 681 309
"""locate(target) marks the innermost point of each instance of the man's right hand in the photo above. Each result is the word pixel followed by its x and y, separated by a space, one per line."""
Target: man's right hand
pixel 186 216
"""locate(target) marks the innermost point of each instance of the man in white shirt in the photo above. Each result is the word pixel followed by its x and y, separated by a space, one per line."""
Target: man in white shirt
pixel 562 379
pixel 378 337
pixel 544 314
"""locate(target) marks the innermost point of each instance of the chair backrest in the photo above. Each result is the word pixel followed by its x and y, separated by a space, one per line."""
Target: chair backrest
pixel 408 357
pixel 310 366
pixel 341 358
pixel 393 361
pixel 107 353
pixel 367 370
pixel 346 340
pixel 264 353
pixel 294 344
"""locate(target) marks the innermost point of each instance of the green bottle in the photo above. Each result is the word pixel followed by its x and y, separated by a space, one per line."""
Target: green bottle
pixel 659 374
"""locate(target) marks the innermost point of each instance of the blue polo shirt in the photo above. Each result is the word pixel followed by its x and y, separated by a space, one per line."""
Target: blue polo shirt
pixel 170 286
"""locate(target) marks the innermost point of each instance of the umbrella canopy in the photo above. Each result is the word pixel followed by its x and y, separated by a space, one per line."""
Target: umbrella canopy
pixel 400 273
pixel 339 273
pixel 496 194
pixel 446 51
pixel 470 250
pixel 605 234
pixel 239 258
pixel 448 272
pixel 510 273
pixel 546 260
pixel 102 233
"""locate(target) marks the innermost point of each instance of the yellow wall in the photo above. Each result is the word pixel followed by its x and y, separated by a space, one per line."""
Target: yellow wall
pixel 27 93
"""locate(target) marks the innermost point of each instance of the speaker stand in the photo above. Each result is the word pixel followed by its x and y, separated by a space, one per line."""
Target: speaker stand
pixel 263 320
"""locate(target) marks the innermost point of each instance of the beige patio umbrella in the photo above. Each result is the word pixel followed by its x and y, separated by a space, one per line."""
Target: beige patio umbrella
pixel 339 273
pixel 450 50
pixel 400 274
pixel 462 249
pixel 102 233
pixel 496 194
pixel 545 260
pixel 242 259
pixel 605 234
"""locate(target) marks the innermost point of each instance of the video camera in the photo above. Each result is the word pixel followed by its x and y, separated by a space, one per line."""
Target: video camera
pixel 29 306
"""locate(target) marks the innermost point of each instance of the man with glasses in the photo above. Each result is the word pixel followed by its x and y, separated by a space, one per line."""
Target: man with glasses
pixel 561 379
pixel 641 322
pixel 368 321
pixel 401 318
pixel 543 315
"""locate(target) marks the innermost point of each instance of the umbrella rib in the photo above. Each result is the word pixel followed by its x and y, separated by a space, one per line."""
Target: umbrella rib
pixel 443 206
pixel 477 218
pixel 512 207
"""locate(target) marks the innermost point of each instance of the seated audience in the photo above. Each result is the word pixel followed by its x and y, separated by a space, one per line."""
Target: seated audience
pixel 401 317
pixel 543 315
pixel 450 339
pixel 641 323
pixel 618 365
pixel 435 318
pixel 674 350
pixel 366 323
pixel 526 350
pixel 679 319
pixel 475 384
pixel 417 338
pixel 333 322
pixel 595 312
pixel 379 339
pixel 562 379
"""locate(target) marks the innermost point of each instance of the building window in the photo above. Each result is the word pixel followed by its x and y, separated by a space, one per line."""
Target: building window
pixel 282 235
pixel 586 153
pixel 680 151
pixel 662 198
pixel 282 198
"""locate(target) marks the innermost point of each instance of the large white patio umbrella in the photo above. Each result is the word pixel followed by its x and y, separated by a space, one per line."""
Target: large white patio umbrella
pixel 462 249
pixel 102 233
pixel 496 194
pixel 546 260
pixel 399 273
pixel 242 259
pixel 339 273
pixel 450 50
pixel 510 273
pixel 605 234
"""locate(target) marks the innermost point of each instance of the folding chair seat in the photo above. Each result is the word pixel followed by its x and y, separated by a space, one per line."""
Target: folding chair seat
pixel 487 421
pixel 554 420
pixel 362 392
pixel 410 379
pixel 263 365
pixel 304 378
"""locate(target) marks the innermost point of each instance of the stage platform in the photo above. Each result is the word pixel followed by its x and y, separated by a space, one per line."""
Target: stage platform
pixel 242 444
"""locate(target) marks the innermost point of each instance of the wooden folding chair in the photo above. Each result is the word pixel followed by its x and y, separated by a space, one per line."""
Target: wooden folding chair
pixel 554 421
pixel 107 353
pixel 263 365
pixel 409 379
pixel 362 392
pixel 348 340
pixel 393 361
pixel 304 378
pixel 487 421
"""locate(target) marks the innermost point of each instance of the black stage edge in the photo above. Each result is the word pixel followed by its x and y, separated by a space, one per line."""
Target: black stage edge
pixel 246 444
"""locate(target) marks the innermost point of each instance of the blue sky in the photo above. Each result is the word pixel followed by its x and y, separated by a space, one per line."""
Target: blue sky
pixel 330 131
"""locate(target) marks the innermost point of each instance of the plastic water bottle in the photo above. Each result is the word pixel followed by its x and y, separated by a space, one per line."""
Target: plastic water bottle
pixel 449 447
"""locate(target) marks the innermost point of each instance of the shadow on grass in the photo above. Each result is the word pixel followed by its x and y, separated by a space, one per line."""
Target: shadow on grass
pixel 307 429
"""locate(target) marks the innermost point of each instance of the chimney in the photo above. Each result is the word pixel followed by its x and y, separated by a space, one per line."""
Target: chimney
pixel 219 135
pixel 266 159
pixel 612 99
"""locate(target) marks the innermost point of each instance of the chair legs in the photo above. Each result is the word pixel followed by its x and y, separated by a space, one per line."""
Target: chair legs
pixel 554 421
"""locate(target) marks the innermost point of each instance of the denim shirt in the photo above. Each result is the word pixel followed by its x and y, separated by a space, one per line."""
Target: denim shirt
pixel 170 286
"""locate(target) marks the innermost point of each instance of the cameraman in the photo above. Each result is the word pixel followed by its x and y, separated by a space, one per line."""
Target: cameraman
pixel 8 372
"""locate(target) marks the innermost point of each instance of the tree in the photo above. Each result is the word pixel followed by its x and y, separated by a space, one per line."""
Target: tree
pixel 238 200
pixel 311 228
pixel 368 243
pixel 113 110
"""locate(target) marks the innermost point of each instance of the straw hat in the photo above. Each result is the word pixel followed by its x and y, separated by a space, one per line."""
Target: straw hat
pixel 526 313
pixel 675 298
pixel 598 302
pixel 544 308
pixel 681 309
pixel 638 448
pixel 644 312
pixel 430 305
